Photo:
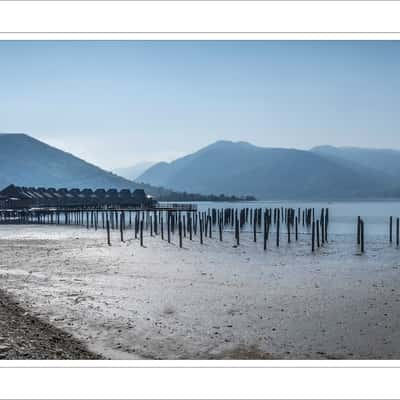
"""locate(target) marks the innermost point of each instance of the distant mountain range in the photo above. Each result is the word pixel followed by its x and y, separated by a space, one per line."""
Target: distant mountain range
pixel 134 171
pixel 238 169
pixel 241 168
pixel 25 161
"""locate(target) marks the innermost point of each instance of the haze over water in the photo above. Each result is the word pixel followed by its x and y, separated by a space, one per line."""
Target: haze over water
pixel 342 215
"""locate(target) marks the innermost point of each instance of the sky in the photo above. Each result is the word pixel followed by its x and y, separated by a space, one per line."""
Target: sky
pixel 116 103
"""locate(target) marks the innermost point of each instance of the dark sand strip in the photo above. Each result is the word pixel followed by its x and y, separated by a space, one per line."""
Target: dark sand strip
pixel 24 337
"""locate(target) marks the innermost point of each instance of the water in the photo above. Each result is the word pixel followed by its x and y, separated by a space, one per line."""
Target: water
pixel 342 215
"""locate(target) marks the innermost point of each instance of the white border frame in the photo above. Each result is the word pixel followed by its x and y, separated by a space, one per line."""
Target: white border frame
pixel 210 20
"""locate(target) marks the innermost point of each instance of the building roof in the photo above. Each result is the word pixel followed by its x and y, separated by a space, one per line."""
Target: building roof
pixel 47 196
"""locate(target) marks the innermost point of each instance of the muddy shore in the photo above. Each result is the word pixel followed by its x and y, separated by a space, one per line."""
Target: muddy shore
pixel 25 337
pixel 211 301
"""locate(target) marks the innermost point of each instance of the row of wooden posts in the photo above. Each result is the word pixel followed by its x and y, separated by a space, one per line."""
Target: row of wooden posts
pixel 201 224
pixel 188 224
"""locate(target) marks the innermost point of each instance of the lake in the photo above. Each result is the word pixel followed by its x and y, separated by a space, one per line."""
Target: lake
pixel 342 214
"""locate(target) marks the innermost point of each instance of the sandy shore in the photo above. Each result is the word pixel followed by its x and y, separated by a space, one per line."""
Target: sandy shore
pixel 210 301
pixel 23 336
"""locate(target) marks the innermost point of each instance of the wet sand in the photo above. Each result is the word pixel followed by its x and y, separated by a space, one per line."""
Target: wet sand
pixel 25 337
pixel 210 301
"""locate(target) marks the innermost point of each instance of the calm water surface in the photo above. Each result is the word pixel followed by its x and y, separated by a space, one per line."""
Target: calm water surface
pixel 343 215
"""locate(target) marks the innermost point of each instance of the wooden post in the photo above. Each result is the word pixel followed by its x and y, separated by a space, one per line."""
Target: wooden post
pixel 322 228
pixel 220 229
pixel 180 232
pixel 169 226
pixel 201 230
pixel 121 227
pixel 162 227
pixel 391 229
pixel 326 223
pixel 141 232
pixel 296 228
pixel 358 230
pixel 277 228
pixel 288 230
pixel 397 232
pixel 265 231
pixel 108 233
pixel 317 224
pixel 237 232
pixel 362 235
pixel 313 237
pixel 209 227
pixel 255 227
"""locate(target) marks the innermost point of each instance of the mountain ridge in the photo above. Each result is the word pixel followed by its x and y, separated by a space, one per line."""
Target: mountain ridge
pixel 239 167
pixel 26 161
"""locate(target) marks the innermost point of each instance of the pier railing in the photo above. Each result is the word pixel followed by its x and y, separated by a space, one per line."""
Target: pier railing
pixel 175 207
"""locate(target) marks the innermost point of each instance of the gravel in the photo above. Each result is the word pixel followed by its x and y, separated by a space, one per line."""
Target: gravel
pixel 23 336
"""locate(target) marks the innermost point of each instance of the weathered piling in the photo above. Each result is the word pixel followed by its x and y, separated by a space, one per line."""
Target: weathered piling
pixel 169 227
pixel 141 232
pixel 277 228
pixel 326 223
pixel 255 227
pixel 313 237
pixel 317 226
pixel 180 231
pixel 265 230
pixel 108 233
pixel 121 227
pixel 296 228
pixel 155 221
pixel 237 232
pixel 362 235
pixel 391 229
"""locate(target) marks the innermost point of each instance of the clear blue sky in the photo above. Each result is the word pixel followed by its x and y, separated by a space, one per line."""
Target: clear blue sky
pixel 116 103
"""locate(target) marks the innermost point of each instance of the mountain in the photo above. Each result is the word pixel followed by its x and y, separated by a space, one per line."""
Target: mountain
pixel 134 171
pixel 30 162
pixel 383 161
pixel 270 173
pixel 25 161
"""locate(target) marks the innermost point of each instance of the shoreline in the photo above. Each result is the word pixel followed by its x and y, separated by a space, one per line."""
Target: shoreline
pixel 211 301
pixel 23 336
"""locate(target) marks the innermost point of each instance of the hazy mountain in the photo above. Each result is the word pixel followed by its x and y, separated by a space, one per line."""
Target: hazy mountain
pixel 269 173
pixel 134 171
pixel 383 161
pixel 26 161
